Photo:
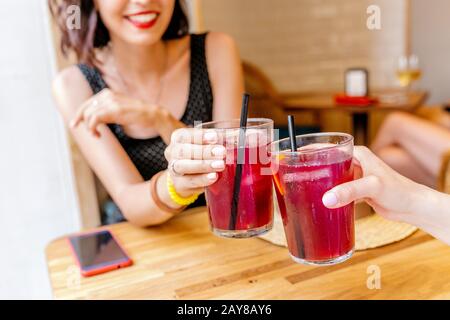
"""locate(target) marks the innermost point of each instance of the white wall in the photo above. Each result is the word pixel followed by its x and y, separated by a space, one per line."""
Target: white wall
pixel 37 200
pixel 430 21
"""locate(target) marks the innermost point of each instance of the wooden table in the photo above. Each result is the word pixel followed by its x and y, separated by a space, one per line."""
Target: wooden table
pixel 183 260
pixel 389 100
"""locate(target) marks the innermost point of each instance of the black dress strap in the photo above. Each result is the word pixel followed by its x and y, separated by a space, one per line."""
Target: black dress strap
pixel 93 77
pixel 200 102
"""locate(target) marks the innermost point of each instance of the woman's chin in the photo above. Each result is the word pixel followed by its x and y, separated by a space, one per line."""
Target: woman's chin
pixel 145 37
pixel 142 39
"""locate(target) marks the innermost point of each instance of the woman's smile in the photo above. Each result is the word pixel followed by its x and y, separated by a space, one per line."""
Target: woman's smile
pixel 143 19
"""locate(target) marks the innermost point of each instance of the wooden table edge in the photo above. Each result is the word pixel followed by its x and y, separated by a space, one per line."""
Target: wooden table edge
pixel 417 238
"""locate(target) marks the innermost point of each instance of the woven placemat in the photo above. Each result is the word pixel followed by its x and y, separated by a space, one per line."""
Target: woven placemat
pixel 374 231
pixel 371 231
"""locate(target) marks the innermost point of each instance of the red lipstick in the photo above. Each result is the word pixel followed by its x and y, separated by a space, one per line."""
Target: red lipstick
pixel 143 19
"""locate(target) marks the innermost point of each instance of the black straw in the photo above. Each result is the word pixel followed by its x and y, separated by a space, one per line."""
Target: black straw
pixel 291 128
pixel 240 161
pixel 298 236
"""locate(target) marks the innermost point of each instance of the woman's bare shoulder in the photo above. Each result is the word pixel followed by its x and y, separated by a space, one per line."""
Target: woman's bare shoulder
pixel 70 89
pixel 221 52
pixel 215 38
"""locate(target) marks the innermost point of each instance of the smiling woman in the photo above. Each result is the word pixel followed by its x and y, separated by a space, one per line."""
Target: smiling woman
pixel 94 34
pixel 140 76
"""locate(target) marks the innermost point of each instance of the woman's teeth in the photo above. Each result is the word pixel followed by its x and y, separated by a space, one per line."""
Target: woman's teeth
pixel 143 18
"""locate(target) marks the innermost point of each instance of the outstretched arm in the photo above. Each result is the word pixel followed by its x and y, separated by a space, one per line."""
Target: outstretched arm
pixel 393 196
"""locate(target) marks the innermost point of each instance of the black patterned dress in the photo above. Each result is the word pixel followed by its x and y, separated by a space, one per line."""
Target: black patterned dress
pixel 148 154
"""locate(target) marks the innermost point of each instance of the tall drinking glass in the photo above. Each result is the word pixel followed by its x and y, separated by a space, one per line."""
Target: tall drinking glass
pixel 315 234
pixel 240 205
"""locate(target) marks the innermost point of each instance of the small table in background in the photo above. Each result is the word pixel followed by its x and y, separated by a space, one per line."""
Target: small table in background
pixel 389 100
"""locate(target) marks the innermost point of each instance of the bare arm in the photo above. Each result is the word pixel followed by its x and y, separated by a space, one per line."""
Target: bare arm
pixel 393 196
pixel 225 71
pixel 432 212
pixel 106 156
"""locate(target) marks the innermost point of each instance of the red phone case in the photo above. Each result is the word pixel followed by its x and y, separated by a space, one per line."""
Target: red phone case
pixel 102 269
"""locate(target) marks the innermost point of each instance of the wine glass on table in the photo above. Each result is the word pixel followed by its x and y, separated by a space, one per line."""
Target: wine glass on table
pixel 408 70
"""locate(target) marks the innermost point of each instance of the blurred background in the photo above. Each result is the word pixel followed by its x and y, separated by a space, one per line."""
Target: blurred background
pixel 295 53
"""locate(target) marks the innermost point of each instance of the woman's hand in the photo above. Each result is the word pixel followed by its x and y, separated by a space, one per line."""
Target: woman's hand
pixel 110 107
pixel 390 194
pixel 194 157
pixel 393 196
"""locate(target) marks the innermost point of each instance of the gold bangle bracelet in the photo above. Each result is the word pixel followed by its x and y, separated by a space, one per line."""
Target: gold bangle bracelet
pixel 182 201
pixel 161 205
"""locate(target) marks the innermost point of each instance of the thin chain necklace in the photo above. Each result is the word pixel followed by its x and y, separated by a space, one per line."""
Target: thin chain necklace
pixel 160 79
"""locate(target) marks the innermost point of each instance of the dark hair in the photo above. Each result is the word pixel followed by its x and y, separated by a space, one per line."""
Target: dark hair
pixel 94 34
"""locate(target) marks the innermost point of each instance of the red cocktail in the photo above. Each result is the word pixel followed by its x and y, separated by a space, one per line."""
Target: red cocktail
pixel 254 202
pixel 314 233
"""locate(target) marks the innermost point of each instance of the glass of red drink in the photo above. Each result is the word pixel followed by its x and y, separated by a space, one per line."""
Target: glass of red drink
pixel 315 234
pixel 252 211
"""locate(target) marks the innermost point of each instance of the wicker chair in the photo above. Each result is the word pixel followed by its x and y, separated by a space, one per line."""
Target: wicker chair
pixel 268 102
pixel 266 99
pixel 444 175
pixel 440 117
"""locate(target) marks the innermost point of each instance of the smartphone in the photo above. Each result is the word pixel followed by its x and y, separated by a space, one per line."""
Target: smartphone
pixel 98 252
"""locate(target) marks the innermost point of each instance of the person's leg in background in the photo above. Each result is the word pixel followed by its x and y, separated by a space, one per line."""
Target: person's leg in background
pixel 412 146
pixel 400 160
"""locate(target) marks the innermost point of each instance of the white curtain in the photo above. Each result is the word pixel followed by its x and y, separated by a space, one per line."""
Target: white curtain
pixel 37 197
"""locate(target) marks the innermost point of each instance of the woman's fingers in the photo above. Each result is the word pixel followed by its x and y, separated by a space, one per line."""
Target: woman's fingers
pixel 197 151
pixel 95 119
pixel 93 115
pixel 369 163
pixel 88 114
pixel 195 182
pixel 101 115
pixel 88 107
pixel 339 196
pixel 78 116
pixel 357 170
pixel 194 136
pixel 188 166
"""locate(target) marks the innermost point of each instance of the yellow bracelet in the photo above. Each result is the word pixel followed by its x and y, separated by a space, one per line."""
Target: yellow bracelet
pixel 176 197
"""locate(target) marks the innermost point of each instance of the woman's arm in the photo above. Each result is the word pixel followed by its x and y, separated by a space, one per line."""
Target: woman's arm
pixel 226 75
pixel 108 106
pixel 106 156
pixel 393 196
pixel 433 213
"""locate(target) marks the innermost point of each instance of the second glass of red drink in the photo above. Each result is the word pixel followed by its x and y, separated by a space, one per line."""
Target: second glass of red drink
pixel 252 211
pixel 315 234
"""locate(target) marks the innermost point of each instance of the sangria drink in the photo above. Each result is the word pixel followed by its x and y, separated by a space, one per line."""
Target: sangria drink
pixel 315 234
pixel 253 206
